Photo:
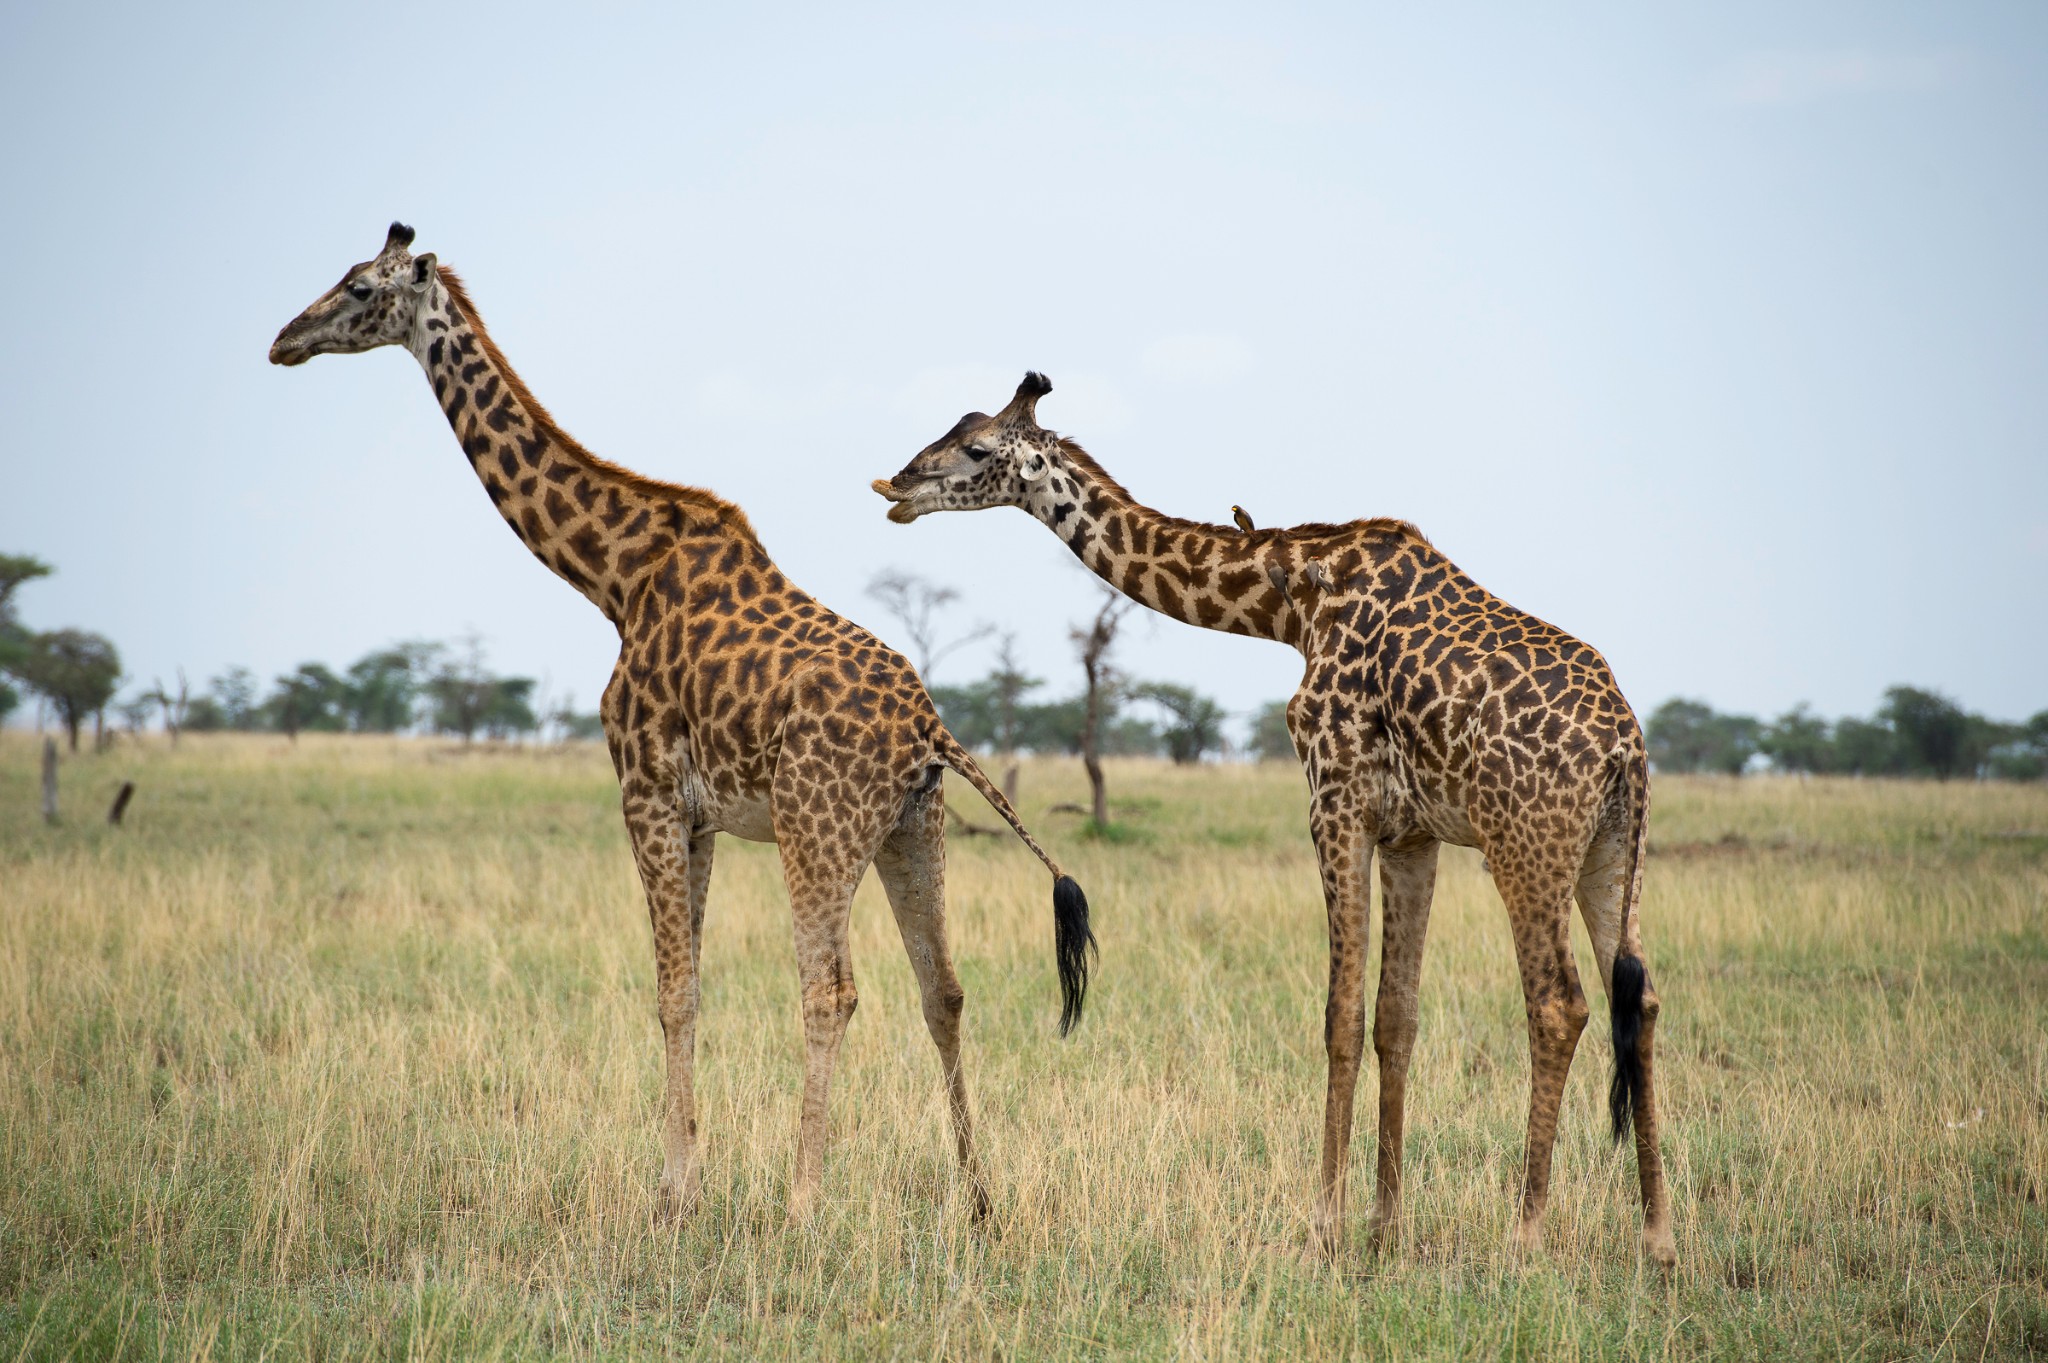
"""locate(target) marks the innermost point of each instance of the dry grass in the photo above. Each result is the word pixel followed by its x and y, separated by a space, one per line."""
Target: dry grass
pixel 349 1049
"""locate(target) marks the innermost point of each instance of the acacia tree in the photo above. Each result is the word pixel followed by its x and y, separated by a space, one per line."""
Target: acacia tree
pixel 76 670
pixel 312 697
pixel 915 602
pixel 383 687
pixel 15 569
pixel 1799 741
pixel 135 712
pixel 1093 642
pixel 465 698
pixel 1195 722
pixel 1690 735
pixel 234 698
pixel 1271 741
pixel 1934 733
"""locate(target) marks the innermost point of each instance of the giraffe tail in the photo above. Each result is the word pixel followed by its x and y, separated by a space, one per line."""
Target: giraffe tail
pixel 1625 992
pixel 1073 939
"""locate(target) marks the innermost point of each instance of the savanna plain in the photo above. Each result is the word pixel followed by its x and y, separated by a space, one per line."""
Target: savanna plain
pixel 347 1048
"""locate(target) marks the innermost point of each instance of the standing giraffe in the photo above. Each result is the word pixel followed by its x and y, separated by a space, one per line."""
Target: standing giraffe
pixel 738 705
pixel 1430 711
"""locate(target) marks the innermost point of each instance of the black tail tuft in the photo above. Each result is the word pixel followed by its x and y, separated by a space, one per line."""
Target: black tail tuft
pixel 1072 941
pixel 1625 1008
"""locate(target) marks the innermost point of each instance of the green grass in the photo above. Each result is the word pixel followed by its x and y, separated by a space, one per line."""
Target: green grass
pixel 349 1049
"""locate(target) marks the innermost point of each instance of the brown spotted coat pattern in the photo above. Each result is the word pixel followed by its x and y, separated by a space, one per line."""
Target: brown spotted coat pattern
pixel 1429 711
pixel 738 703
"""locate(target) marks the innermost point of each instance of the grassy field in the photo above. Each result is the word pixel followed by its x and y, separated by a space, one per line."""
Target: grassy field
pixel 349 1049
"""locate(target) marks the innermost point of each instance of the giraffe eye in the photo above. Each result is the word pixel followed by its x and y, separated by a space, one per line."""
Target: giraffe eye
pixel 979 452
pixel 359 292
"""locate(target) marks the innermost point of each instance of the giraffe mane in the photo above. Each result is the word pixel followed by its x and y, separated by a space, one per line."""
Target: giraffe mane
pixel 545 424
pixel 1386 525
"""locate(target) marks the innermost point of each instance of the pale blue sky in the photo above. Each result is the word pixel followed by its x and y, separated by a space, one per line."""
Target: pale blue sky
pixel 1717 338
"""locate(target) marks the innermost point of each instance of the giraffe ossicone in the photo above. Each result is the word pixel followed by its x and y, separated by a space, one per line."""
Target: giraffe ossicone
pixel 1430 711
pixel 738 705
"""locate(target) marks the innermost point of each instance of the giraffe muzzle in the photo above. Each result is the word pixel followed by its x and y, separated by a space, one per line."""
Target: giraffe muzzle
pixel 287 349
pixel 903 512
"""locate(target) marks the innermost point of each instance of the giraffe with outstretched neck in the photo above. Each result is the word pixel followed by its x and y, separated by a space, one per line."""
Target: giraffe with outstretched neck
pixel 738 705
pixel 1430 711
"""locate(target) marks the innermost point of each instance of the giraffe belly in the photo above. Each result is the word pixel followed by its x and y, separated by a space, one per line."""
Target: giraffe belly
pixel 744 814
pixel 1450 825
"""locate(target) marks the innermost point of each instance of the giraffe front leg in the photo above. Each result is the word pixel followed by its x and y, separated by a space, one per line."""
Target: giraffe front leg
pixel 1407 884
pixel 1344 851
pixel 675 888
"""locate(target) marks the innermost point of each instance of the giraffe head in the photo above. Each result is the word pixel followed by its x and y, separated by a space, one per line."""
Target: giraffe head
pixel 983 461
pixel 376 303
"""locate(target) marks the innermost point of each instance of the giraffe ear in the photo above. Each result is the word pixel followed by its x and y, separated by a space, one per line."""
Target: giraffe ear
pixel 1034 468
pixel 423 270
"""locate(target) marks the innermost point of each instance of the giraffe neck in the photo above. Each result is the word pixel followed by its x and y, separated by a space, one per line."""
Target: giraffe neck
pixel 595 525
pixel 1209 575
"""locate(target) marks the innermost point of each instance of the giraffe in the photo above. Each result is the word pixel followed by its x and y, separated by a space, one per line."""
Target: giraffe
pixel 1429 711
pixel 738 705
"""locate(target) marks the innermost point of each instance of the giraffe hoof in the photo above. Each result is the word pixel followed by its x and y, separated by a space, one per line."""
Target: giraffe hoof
pixel 674 1202
pixel 1320 1247
pixel 1529 1239
pixel 1386 1233
pixel 978 1205
pixel 1659 1249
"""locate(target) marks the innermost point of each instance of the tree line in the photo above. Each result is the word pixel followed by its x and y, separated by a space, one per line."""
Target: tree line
pixel 1137 718
pixel 424 686
pixel 407 687
pixel 1131 717
pixel 1914 732
pixel 416 686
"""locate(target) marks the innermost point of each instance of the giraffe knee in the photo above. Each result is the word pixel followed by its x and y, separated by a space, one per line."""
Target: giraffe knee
pixel 1393 1035
pixel 1576 1012
pixel 676 1008
pixel 830 1001
pixel 1343 1035
pixel 1559 1021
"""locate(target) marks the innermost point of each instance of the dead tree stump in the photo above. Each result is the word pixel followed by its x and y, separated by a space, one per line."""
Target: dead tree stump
pixel 121 800
pixel 49 780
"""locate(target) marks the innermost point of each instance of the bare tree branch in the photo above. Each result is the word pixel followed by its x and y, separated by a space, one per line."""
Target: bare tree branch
pixel 1093 642
pixel 914 602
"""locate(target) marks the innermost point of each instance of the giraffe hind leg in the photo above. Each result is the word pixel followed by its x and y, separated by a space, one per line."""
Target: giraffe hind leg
pixel 1603 889
pixel 911 863
pixel 1538 901
pixel 832 809
pixel 1407 884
